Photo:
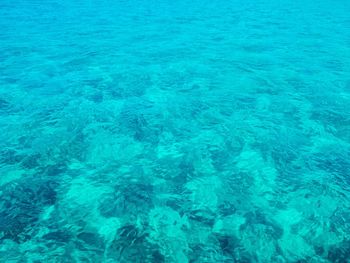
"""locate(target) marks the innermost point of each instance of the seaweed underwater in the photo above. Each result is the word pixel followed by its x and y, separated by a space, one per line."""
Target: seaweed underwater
pixel 186 131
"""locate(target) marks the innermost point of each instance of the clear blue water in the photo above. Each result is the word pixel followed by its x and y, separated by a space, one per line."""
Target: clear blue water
pixel 175 131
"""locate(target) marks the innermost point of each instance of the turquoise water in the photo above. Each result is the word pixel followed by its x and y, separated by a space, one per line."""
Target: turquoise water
pixel 175 131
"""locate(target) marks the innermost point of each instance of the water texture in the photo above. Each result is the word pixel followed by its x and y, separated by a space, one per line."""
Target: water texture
pixel 175 131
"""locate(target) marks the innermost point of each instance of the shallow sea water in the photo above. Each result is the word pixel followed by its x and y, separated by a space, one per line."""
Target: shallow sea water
pixel 174 131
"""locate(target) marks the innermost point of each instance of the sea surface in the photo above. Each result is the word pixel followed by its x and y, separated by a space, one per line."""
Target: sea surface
pixel 175 131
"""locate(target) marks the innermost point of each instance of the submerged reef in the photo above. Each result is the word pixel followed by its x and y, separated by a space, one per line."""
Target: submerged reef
pixel 205 131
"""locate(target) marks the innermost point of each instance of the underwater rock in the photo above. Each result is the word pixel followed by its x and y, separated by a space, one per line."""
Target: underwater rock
pixel 132 245
pixel 339 253
pixel 22 204
pixel 129 85
pixel 96 97
pixel 10 157
pixel 140 119
pixel 203 253
pixel 13 226
pixel 4 104
pixel 203 216
pixel 228 244
pixel 129 199
pixel 59 236
pixel 90 238
pixel 227 208
pixel 256 220
pixel 55 170
pixel 31 161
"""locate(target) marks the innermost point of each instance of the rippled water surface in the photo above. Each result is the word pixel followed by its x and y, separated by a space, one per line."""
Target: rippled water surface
pixel 175 131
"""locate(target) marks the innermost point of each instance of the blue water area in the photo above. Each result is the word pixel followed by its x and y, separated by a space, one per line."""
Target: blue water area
pixel 186 131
